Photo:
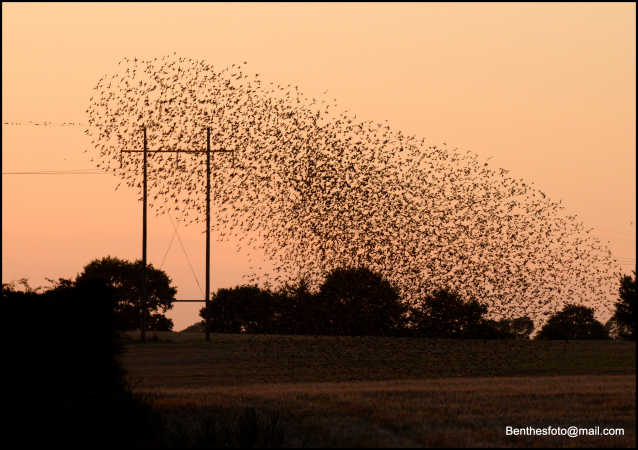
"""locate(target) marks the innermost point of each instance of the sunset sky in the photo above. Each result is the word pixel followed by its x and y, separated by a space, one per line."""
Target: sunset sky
pixel 545 90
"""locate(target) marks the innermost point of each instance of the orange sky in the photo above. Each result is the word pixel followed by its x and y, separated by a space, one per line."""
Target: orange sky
pixel 545 90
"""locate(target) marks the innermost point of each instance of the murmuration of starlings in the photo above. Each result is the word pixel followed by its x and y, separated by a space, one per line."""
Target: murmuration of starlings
pixel 313 188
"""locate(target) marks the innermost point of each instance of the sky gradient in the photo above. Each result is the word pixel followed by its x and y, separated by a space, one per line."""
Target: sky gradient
pixel 546 91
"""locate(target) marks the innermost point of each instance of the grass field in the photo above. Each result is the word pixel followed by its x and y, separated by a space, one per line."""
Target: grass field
pixel 406 392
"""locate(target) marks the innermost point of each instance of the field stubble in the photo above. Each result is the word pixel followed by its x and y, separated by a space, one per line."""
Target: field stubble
pixel 406 392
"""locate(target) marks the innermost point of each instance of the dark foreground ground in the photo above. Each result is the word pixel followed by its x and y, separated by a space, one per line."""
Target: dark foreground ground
pixel 407 392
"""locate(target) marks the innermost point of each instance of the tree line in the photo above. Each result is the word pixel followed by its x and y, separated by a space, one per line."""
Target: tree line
pixel 357 302
pixel 350 302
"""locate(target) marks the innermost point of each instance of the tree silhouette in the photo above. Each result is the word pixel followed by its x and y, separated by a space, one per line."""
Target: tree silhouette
pixel 303 312
pixel 573 322
pixel 125 278
pixel 248 309
pixel 518 328
pixel 350 302
pixel 445 314
pixel 360 302
pixel 626 307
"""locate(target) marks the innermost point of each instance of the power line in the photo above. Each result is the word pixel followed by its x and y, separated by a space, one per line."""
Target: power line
pixel 185 254
pixel 44 123
pixel 169 247
pixel 57 172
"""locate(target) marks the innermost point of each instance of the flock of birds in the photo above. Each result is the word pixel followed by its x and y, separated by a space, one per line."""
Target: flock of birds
pixel 313 188
pixel 43 123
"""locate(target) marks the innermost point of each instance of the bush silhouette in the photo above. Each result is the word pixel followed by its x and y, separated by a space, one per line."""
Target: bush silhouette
pixel 73 387
pixel 66 386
